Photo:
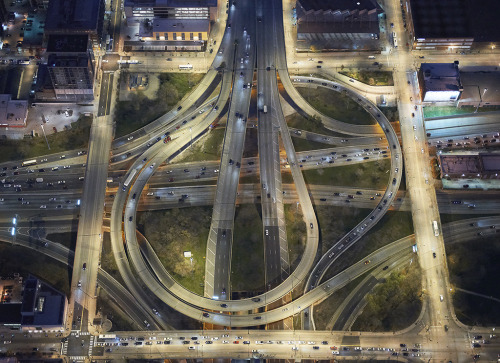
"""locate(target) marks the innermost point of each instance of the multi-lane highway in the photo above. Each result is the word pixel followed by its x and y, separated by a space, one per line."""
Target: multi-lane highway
pixel 259 26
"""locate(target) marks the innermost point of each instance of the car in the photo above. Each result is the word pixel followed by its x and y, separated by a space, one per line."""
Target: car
pixel 311 225
pixel 79 283
pixel 191 348
pixel 223 305
pixel 84 266
pixel 206 315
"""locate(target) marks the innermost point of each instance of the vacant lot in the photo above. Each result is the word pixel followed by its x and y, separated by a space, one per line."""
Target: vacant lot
pixel 74 138
pixel 141 110
pixel 363 175
pixel 26 261
pixel 247 263
pixel 336 105
pixel 174 231
pixel 474 267
pixel 373 78
pixel 395 304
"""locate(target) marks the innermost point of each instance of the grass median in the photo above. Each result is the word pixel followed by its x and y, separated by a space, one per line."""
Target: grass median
pixel 74 138
pixel 247 260
pixel 175 231
pixel 336 105
pixel 363 175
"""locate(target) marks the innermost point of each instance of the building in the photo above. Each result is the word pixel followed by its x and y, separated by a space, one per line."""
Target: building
pixel 38 307
pixel 481 88
pixel 457 25
pixel 469 165
pixel 71 17
pixel 440 83
pixel 170 25
pixel 13 113
pixel 69 73
pixel 139 10
pixel 4 14
pixel 338 24
pixel 183 35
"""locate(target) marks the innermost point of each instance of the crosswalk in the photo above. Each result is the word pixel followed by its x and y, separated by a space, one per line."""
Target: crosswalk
pixel 65 348
pixel 91 345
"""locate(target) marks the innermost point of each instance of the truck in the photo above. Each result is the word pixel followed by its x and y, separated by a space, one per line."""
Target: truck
pixel 265 109
pixel 39 180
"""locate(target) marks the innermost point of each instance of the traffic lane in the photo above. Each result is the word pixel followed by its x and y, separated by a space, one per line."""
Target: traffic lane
pixel 272 256
pixel 105 94
pixel 360 295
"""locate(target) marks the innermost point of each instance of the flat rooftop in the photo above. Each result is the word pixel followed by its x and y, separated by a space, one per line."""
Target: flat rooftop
pixel 481 86
pixel 184 25
pixel 456 19
pixel 173 3
pixel 13 113
pixel 334 5
pixel 481 163
pixel 74 15
pixel 440 76
pixel 68 43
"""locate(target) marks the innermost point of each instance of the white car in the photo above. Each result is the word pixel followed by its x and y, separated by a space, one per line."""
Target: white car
pixel 130 138
pixel 43 207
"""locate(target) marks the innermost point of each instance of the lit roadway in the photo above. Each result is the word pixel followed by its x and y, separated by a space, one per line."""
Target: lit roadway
pixel 274 234
pixel 240 68
pixel 452 343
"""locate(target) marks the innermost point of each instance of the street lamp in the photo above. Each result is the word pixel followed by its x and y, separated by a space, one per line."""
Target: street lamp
pixel 480 99
pixel 47 141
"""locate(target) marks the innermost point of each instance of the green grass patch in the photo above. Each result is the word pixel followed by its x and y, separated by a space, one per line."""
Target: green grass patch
pixel 170 233
pixel 140 110
pixel 324 311
pixel 306 145
pixel 391 113
pixel 336 105
pixel 373 78
pixel 442 111
pixel 296 233
pixel 395 304
pixel 26 261
pixel 67 239
pixel 247 264
pixel 393 226
pixel 108 262
pixel 474 266
pixel 363 175
pixel 207 148
pixel 311 124
pixel 74 138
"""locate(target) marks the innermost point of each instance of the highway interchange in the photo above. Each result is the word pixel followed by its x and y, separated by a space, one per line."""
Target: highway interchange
pixel 104 205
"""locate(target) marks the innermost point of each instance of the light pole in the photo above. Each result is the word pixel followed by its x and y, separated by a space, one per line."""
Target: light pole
pixel 43 130
pixel 480 99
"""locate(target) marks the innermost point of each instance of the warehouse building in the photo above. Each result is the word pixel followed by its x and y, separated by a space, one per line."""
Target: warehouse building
pixel 440 83
pixel 454 25
pixel 338 25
